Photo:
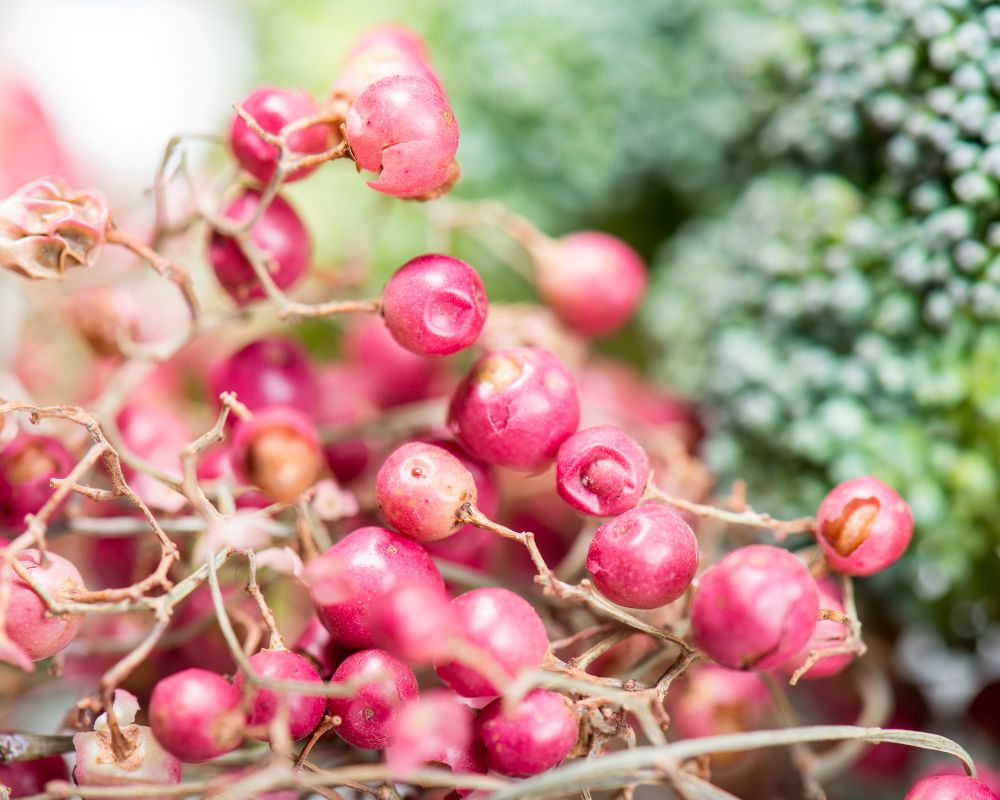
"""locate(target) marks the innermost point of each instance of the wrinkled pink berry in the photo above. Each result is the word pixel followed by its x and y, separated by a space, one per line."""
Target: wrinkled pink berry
pixel 863 526
pixel 644 558
pixel 592 280
pixel 268 372
pixel 147 763
pixel 195 714
pixel 403 128
pixel 304 711
pixel 415 622
pixel 826 635
pixel 273 109
pixel 362 567
pixel 515 408
pixel 532 738
pixel 381 52
pixel 434 305
pixel 421 489
pixel 27 465
pixel 503 626
pixel 368 716
pixel 277 450
pixel 755 608
pixel 279 235
pixel 601 471
pixel 950 787
pixel 26 778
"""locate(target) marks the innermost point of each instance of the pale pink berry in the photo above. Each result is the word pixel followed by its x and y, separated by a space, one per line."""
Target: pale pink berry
pixel 368 716
pixel 268 372
pixel 421 489
pixel 826 635
pixel 592 280
pixel 863 526
pixel 382 52
pixel 195 715
pixel 102 316
pixel 147 763
pixel 279 235
pixel 27 778
pixel 157 434
pixel 403 128
pixel 27 465
pixel 644 558
pixel 601 471
pixel 28 143
pixel 274 108
pixel 304 710
pixel 277 450
pixel 415 622
pixel 515 408
pixel 755 608
pixel 535 736
pixel 950 787
pixel 505 628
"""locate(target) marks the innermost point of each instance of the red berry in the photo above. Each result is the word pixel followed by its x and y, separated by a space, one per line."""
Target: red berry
pixel 195 715
pixel 950 787
pixel 381 52
pixel 533 737
pixel 755 608
pixel 515 408
pixel 826 635
pixel 434 305
pixel 863 526
pixel 601 471
pixel 273 109
pixel 304 711
pixel 414 621
pixel 403 128
pixel 26 778
pixel 644 558
pixel 147 764
pixel 27 465
pixel 316 643
pixel 278 451
pixel 279 235
pixel 503 626
pixel 268 372
pixel 368 717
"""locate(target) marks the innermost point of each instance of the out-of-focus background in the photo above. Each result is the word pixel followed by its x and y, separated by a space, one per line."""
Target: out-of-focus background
pixel 814 185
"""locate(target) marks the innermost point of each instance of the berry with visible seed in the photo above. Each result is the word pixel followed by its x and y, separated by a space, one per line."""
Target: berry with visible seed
pixel 27 465
pixel 278 451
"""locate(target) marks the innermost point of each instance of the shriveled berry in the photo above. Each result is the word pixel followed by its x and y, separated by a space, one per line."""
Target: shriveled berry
pixel 644 558
pixel 533 737
pixel 420 490
pixel 147 763
pixel 863 526
pixel 826 635
pixel 274 108
pixel 755 608
pixel 601 471
pixel 434 305
pixel 195 715
pixel 278 451
pixel 415 622
pixel 279 235
pixel 27 465
pixel 515 408
pixel 304 710
pixel 381 52
pixel 950 787
pixel 268 372
pixel 503 626
pixel 368 716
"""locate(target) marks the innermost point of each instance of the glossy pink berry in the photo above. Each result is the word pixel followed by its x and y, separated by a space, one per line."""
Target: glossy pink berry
pixel 403 128
pixel 515 408
pixel 755 608
pixel 268 372
pixel 381 52
pixel 601 471
pixel 826 635
pixel 503 626
pixel 147 763
pixel 27 778
pixel 27 465
pixel 279 235
pixel 984 774
pixel 863 526
pixel 361 568
pixel 273 109
pixel 195 715
pixel 533 737
pixel 421 489
pixel 278 451
pixel 415 622
pixel 368 716
pixel 304 711
pixel 434 305
pixel 950 787
pixel 644 558
pixel 592 280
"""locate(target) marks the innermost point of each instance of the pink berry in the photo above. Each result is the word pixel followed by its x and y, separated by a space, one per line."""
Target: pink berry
pixel 368 717
pixel 601 471
pixel 712 700
pixel 415 622
pixel 863 526
pixel 27 778
pixel 27 465
pixel 826 635
pixel 950 787
pixel 644 558
pixel 279 235
pixel 515 408
pixel 304 711
pixel 103 314
pixel 362 567
pixel 157 434
pixel 984 774
pixel 420 490
pixel 532 738
pixel 592 280
pixel 434 305
pixel 195 715
pixel 319 647
pixel 504 627
pixel 147 764
pixel 278 451
pixel 273 109
pixel 755 608
pixel 268 372
pixel 28 624
pixel 403 128
pixel 381 52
